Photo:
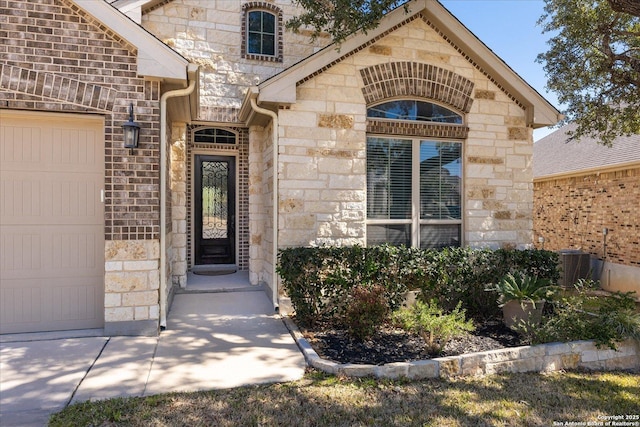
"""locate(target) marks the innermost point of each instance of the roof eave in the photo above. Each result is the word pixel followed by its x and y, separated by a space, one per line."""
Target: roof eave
pixel 281 89
pixel 588 171
pixel 155 59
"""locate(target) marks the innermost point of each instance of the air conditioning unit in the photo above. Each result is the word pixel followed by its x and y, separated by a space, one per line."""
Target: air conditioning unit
pixel 574 265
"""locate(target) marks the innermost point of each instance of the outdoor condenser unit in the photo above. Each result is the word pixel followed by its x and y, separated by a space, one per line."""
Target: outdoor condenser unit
pixel 574 265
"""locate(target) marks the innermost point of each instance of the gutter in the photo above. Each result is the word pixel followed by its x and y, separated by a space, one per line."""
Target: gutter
pixel 192 75
pixel 274 130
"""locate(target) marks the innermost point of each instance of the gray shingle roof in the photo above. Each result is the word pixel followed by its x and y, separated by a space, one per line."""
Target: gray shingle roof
pixel 554 155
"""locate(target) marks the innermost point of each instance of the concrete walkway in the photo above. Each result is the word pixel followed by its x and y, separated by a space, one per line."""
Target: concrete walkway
pixel 212 341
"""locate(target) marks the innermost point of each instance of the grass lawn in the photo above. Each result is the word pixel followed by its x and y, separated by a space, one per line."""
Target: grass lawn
pixel 324 400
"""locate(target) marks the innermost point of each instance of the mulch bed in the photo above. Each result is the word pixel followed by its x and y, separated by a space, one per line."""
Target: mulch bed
pixel 395 345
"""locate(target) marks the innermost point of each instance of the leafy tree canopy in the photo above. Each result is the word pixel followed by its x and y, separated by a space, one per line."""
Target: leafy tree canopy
pixel 340 18
pixel 593 64
pixel 593 61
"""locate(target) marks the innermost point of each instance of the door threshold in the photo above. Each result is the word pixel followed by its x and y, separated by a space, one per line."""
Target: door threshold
pixel 214 267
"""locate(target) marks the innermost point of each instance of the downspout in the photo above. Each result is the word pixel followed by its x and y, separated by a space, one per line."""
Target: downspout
pixel 274 220
pixel 163 187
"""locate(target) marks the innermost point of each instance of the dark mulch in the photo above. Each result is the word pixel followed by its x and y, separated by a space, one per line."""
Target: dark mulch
pixel 395 345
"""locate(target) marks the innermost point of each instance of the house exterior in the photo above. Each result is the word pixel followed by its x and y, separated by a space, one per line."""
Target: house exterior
pixel 252 139
pixel 587 198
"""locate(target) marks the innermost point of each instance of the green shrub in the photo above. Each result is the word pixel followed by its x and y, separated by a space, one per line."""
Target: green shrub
pixel 605 320
pixel 366 310
pixel 434 325
pixel 319 280
pixel 522 287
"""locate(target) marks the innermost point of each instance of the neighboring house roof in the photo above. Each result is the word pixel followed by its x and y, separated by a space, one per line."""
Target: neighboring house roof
pixel 155 59
pixel 281 88
pixel 553 156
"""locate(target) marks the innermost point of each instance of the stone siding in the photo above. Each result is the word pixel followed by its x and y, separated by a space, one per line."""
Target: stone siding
pixel 260 204
pixel 322 170
pixel 131 287
pixel 552 357
pixel 210 34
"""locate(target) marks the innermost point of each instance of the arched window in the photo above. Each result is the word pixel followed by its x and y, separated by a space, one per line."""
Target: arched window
pixel 214 136
pixel 409 109
pixel 261 31
pixel 414 184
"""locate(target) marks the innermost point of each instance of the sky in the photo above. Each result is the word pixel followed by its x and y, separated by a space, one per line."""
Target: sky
pixel 508 27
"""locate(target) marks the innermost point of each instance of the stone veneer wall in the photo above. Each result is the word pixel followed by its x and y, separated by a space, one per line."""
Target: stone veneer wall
pixel 322 171
pixel 209 33
pixel 55 57
pixel 261 205
pixel 132 280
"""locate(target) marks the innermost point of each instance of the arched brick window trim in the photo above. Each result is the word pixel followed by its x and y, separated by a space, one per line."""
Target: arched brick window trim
pixel 261 5
pixel 401 79
pixel 414 79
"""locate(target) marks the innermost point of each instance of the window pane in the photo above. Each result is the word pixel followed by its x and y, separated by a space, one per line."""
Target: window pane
pixel 268 23
pixel 414 110
pixel 396 234
pixel 439 236
pixel 214 136
pixel 255 21
pixel 268 45
pixel 388 178
pixel 440 180
pixel 261 33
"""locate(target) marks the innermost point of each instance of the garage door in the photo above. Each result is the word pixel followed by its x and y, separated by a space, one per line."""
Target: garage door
pixel 51 222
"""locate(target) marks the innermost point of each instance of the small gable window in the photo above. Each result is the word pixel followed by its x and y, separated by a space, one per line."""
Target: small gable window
pixel 261 32
pixel 214 136
pixel 414 110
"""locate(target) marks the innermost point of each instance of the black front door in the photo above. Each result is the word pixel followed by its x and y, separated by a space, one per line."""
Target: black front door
pixel 215 210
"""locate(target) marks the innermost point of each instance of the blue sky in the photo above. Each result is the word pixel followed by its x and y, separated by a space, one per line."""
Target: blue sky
pixel 509 28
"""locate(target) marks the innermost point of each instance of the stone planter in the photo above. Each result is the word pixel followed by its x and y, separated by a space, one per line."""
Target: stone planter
pixel 514 311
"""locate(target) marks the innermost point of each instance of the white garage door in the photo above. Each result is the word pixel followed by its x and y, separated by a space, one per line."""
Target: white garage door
pixel 51 222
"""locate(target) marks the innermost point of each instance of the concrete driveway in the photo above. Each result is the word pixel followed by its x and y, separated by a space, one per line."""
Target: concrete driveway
pixel 212 341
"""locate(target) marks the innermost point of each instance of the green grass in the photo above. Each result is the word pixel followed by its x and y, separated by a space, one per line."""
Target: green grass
pixel 324 400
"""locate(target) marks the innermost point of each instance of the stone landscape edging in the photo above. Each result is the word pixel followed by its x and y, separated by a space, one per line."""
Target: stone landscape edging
pixel 548 357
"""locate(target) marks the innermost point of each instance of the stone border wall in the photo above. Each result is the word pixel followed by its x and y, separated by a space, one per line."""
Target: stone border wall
pixel 539 358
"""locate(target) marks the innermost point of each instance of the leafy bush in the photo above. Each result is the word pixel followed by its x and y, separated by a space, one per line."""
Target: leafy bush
pixel 464 274
pixel 319 280
pixel 429 321
pixel 366 311
pixel 605 320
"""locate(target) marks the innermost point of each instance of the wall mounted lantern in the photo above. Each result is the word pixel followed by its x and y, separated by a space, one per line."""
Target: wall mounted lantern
pixel 131 131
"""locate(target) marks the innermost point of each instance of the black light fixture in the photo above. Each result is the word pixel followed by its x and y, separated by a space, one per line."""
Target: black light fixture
pixel 131 131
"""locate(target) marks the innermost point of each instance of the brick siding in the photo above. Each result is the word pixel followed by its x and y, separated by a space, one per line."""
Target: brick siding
pixel 572 212
pixel 54 57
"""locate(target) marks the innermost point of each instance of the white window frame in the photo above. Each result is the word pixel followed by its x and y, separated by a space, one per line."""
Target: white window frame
pixel 415 221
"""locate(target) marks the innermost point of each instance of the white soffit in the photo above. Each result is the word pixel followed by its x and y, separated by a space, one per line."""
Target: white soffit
pixel 155 59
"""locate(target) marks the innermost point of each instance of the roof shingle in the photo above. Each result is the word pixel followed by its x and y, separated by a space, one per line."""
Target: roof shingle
pixel 554 155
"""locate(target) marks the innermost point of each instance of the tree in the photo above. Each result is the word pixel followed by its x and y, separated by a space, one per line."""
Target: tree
pixel 341 18
pixel 593 61
pixel 593 64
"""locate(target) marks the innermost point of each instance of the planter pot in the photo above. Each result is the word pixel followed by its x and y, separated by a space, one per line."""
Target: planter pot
pixel 515 311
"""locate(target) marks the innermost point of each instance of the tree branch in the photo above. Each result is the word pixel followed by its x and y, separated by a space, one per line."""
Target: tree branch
pixel 631 7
